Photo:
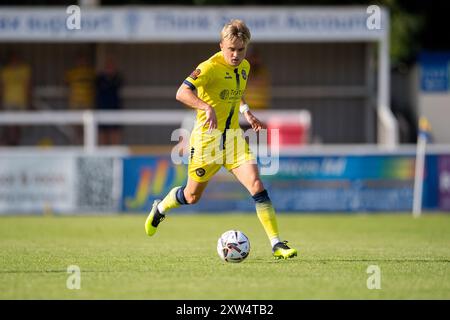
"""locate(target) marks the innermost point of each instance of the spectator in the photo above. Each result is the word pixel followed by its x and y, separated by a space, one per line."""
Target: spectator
pixel 108 85
pixel 81 82
pixel 258 91
pixel 15 87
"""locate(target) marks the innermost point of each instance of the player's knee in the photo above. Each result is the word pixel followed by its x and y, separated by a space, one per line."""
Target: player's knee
pixel 192 198
pixel 257 186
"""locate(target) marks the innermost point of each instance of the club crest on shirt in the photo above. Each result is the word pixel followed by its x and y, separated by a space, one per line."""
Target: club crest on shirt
pixel 200 172
pixel 194 74
pixel 244 74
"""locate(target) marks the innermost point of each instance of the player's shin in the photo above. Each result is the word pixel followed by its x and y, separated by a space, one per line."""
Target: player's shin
pixel 174 199
pixel 266 215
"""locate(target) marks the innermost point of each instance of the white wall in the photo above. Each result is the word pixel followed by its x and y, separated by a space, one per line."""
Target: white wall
pixel 436 107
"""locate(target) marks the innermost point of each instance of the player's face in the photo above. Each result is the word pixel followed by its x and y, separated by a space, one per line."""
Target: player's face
pixel 233 51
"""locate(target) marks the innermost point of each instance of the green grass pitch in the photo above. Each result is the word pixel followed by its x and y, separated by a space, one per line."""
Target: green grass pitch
pixel 118 261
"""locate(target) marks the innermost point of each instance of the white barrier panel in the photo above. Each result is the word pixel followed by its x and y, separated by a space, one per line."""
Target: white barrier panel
pixel 63 181
pixel 37 183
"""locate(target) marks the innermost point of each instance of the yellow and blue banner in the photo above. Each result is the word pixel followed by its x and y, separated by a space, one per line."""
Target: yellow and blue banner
pixel 149 178
pixel 352 183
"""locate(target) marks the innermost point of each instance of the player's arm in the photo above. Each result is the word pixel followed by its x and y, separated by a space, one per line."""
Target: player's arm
pixel 187 96
pixel 251 119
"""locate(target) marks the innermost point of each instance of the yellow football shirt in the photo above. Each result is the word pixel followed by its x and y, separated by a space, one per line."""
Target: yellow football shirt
pixel 221 86
pixel 258 89
pixel 81 82
pixel 16 80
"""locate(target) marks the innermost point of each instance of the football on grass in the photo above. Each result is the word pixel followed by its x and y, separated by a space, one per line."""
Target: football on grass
pixel 233 246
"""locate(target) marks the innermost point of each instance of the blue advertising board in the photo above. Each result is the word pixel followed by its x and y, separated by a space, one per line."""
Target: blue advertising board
pixel 301 184
pixel 148 178
pixel 434 71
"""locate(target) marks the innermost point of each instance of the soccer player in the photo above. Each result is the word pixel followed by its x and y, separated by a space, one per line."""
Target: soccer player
pixel 215 88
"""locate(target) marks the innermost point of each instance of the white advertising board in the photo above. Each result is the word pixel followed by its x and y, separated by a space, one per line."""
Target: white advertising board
pixel 36 184
pixel 187 24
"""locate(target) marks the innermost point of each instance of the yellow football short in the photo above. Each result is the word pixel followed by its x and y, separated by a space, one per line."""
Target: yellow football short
pixel 207 157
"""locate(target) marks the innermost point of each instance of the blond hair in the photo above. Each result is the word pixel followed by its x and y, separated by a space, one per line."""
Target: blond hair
pixel 235 29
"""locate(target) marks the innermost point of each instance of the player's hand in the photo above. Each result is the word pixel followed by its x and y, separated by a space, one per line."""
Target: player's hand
pixel 211 119
pixel 253 121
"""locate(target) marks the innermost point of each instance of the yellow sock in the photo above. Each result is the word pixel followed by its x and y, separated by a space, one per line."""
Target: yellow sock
pixel 169 202
pixel 266 215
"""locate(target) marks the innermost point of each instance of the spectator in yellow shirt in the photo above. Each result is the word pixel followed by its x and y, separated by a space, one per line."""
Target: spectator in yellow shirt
pixel 15 79
pixel 258 92
pixel 81 96
pixel 81 82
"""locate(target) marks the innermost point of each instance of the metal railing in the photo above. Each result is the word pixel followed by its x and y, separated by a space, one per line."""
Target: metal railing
pixel 90 120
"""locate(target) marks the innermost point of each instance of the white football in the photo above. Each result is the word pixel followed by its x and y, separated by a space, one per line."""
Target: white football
pixel 233 246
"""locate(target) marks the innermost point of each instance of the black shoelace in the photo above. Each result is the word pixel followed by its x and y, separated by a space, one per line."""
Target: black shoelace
pixel 158 218
pixel 282 245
